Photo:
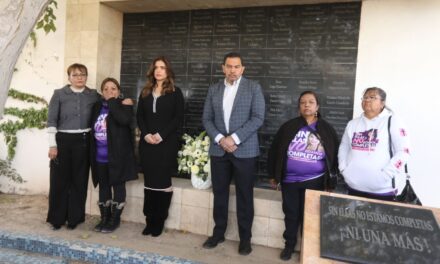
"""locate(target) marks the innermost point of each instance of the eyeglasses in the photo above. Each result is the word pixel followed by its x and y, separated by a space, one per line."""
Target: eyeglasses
pixel 81 75
pixel 369 98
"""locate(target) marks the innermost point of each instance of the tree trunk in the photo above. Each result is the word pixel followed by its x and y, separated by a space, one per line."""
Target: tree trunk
pixel 17 19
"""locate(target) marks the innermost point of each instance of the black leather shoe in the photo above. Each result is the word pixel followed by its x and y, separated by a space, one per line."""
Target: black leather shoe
pixel 212 242
pixel 244 248
pixel 286 254
pixel 55 227
pixel 71 226
pixel 147 230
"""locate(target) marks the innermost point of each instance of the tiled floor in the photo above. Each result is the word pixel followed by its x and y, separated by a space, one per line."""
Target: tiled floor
pixel 13 256
pixel 75 250
pixel 26 215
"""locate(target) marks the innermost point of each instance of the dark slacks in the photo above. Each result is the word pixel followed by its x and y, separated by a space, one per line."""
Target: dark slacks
pixel 293 206
pixel 242 170
pixel 69 174
pixel 105 188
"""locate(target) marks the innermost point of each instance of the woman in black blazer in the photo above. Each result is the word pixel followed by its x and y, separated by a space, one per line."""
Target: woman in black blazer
pixel 112 153
pixel 160 120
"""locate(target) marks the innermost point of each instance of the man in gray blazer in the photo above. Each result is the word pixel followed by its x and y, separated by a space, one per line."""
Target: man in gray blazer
pixel 232 114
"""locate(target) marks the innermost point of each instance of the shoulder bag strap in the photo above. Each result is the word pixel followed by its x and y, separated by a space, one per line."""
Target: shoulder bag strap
pixel 390 149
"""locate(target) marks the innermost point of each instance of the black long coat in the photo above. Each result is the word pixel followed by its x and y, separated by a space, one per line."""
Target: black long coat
pixel 159 162
pixel 120 140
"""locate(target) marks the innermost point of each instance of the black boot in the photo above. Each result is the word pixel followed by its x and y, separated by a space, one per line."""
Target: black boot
pixel 148 227
pixel 115 218
pixel 161 213
pixel 149 200
pixel 106 213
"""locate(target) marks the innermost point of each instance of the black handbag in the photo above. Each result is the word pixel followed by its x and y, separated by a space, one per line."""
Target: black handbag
pixel 408 194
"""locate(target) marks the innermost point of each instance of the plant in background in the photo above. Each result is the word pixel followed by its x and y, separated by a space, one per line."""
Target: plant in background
pixel 193 157
pixel 9 172
pixel 27 118
pixel 46 22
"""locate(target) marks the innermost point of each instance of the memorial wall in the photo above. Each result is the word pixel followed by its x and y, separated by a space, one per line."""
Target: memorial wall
pixel 288 49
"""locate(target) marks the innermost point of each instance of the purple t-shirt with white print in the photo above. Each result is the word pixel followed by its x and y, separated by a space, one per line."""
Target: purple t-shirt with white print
pixel 305 156
pixel 101 135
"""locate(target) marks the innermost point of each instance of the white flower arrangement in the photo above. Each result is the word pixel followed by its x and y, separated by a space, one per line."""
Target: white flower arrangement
pixel 193 158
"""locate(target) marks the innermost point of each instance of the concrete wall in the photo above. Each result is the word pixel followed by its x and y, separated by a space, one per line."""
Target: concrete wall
pixel 398 51
pixel 40 70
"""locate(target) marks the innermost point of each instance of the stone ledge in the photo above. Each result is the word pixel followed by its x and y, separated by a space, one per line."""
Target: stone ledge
pixel 191 211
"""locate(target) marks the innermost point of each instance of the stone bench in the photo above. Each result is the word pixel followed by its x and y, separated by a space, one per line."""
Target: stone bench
pixel 191 211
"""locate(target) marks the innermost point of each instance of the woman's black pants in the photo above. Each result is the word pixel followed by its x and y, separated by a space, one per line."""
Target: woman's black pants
pixel 69 175
pixel 105 188
pixel 293 206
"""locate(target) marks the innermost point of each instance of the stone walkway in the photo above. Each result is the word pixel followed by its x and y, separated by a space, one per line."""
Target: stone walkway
pixel 26 215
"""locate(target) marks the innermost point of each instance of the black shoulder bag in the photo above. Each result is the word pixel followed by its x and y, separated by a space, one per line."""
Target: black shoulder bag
pixel 408 194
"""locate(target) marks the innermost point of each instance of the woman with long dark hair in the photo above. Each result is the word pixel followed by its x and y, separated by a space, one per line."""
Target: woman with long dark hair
pixel 160 119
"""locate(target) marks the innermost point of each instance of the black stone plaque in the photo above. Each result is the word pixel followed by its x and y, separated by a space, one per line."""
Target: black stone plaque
pixel 179 68
pixel 253 55
pixel 226 42
pixel 338 100
pixel 367 232
pixel 176 42
pixel 201 42
pixel 227 27
pixel 199 68
pixel 194 107
pixel 253 41
pixel 200 55
pixel 281 41
pixel 308 84
pixel 256 69
pixel 312 26
pixel 279 55
pixel 336 116
pixel 288 49
pixel 254 26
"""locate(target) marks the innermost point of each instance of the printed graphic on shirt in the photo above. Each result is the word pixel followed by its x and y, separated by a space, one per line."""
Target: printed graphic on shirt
pixel 305 147
pixel 365 141
pixel 305 157
pixel 101 128
pixel 402 132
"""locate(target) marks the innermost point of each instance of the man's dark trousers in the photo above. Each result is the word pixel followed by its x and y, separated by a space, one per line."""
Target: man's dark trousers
pixel 242 170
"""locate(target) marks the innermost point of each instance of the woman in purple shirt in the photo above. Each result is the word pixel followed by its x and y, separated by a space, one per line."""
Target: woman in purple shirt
pixel 302 155
pixel 112 153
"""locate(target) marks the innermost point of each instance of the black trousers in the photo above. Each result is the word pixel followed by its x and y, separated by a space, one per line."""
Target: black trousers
pixel 69 174
pixel 370 195
pixel 242 170
pixel 293 206
pixel 105 188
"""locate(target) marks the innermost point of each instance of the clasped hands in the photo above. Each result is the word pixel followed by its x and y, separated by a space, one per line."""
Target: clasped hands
pixel 153 139
pixel 227 144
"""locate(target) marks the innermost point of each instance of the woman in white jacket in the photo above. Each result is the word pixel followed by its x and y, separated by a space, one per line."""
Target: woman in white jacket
pixel 365 161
